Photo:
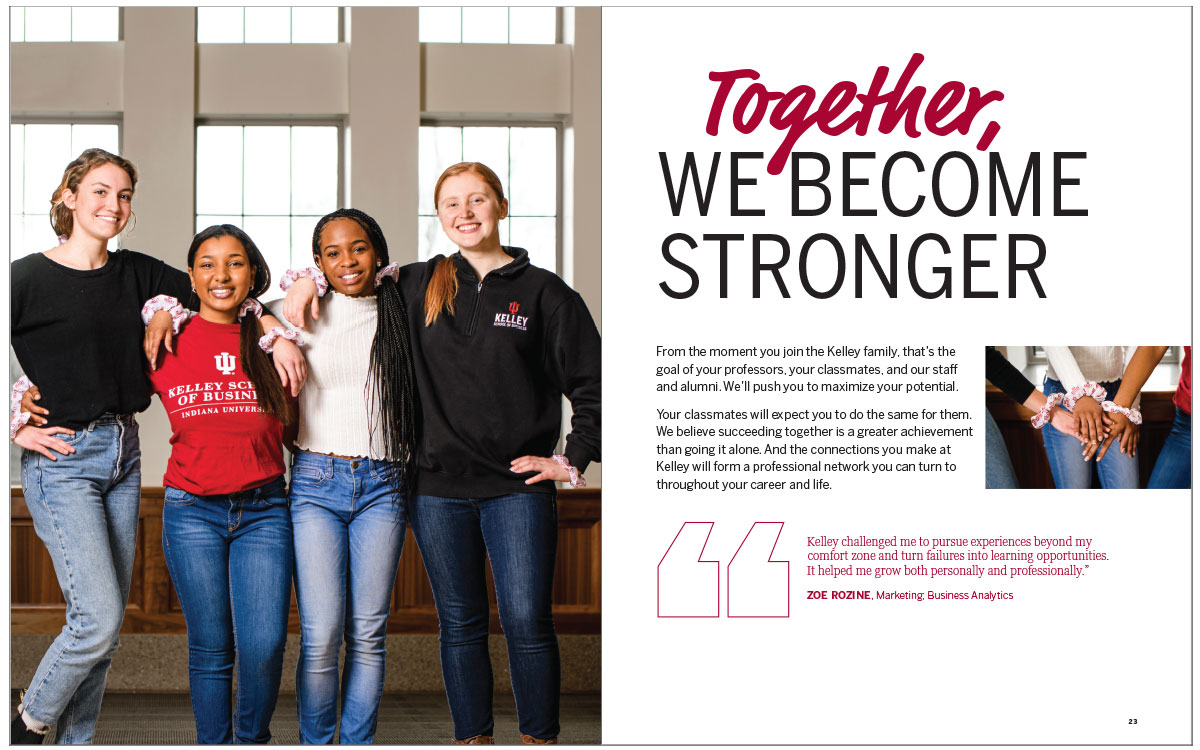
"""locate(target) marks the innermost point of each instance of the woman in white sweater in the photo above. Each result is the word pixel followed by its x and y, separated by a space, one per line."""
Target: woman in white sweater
pixel 1088 375
pixel 356 443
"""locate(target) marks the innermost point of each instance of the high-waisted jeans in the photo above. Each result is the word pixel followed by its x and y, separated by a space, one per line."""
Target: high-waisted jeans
pixel 518 533
pixel 230 558
pixel 348 524
pixel 84 508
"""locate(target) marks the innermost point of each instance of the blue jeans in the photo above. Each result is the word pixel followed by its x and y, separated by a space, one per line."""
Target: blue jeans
pixel 518 533
pixel 1173 469
pixel 85 510
pixel 348 525
pixel 230 558
pixel 998 471
pixel 1117 471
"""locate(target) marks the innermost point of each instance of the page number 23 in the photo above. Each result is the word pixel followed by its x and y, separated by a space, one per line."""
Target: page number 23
pixel 1133 721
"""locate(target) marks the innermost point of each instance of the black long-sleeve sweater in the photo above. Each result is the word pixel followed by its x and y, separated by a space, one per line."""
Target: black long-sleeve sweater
pixel 78 334
pixel 491 377
pixel 1000 373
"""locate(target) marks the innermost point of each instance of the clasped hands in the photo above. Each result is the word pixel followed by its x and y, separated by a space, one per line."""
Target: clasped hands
pixel 1096 429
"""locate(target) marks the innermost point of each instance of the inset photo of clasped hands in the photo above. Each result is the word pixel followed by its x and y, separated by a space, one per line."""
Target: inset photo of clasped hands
pixel 1111 417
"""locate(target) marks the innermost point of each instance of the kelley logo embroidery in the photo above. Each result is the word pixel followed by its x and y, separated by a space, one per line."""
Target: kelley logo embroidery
pixel 226 363
pixel 511 319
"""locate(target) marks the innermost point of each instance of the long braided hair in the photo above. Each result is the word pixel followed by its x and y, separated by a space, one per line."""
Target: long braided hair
pixel 390 379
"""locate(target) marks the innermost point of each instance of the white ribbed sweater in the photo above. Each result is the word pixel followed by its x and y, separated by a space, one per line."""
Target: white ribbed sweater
pixel 333 404
pixel 1075 365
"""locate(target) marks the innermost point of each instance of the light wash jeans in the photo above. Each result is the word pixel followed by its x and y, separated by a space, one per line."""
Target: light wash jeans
pixel 230 558
pixel 518 533
pixel 85 510
pixel 348 526
pixel 1116 470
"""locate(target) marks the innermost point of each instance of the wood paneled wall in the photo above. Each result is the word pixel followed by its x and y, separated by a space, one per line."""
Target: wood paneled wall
pixel 38 607
pixel 1029 456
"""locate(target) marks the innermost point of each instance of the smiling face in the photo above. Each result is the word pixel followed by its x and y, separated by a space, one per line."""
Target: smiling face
pixel 101 204
pixel 223 277
pixel 348 258
pixel 470 212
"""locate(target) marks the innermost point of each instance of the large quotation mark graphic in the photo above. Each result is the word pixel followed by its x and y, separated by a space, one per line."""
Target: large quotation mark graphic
pixel 756 585
pixel 689 585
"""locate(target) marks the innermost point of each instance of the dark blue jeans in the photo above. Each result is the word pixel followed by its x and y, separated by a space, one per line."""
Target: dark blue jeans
pixel 230 558
pixel 1173 469
pixel 518 533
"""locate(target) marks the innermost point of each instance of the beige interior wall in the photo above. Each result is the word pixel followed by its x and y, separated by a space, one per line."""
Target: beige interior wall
pixel 379 82
pixel 478 79
pixel 39 88
pixel 385 100
pixel 271 80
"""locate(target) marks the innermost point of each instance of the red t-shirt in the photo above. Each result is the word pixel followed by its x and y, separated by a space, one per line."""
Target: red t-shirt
pixel 1183 394
pixel 220 441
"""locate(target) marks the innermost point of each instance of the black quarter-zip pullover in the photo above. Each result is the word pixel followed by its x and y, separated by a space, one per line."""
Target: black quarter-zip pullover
pixel 491 377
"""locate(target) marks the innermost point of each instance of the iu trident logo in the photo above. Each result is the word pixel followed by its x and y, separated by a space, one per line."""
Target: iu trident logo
pixel 513 307
pixel 226 363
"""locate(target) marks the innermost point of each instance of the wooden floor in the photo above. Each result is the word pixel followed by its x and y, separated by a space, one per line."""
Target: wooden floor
pixel 404 719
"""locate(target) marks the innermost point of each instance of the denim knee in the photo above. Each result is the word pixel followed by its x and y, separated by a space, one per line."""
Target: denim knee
pixel 526 623
pixel 463 630
pixel 367 634
pixel 320 629
pixel 98 632
pixel 261 644
pixel 320 649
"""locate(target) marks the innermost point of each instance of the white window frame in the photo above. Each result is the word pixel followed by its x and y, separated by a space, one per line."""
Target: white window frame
pixel 341 33
pixel 71 27
pixel 559 132
pixel 60 121
pixel 558 27
pixel 278 122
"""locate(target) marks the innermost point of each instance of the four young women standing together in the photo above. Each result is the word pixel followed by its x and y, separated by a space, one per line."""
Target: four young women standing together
pixel 471 352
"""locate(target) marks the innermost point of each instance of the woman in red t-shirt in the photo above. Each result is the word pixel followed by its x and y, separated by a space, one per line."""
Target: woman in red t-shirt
pixel 226 529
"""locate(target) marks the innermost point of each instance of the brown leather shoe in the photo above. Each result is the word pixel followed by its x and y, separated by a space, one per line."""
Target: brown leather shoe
pixel 527 739
pixel 479 739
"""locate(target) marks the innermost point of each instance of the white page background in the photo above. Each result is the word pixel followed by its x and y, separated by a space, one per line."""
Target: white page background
pixel 1067 660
